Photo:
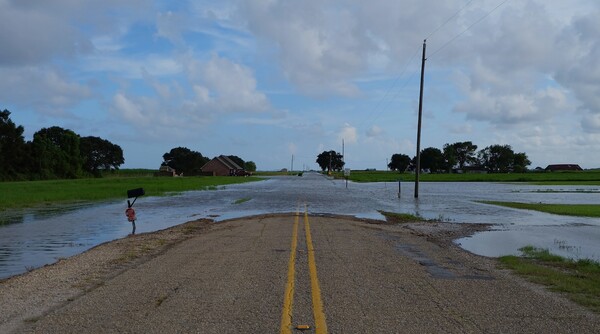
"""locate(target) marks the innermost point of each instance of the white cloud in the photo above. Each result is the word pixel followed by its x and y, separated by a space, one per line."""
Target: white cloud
pixel 348 133
pixel 374 131
pixel 128 110
pixel 132 68
pixel 219 88
pixel 319 46
pixel 591 123
pixel 35 32
pixel 292 148
pixel 43 89
pixel 171 25
pixel 513 108
pixel 225 86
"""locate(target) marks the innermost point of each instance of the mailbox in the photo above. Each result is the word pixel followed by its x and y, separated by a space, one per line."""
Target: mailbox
pixel 137 192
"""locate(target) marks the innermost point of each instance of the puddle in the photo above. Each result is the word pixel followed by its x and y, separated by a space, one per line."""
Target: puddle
pixel 434 270
pixel 572 241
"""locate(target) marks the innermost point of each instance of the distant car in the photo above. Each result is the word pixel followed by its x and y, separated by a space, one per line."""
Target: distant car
pixel 242 172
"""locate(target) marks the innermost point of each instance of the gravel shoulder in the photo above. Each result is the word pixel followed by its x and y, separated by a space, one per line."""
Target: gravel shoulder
pixel 457 291
pixel 28 297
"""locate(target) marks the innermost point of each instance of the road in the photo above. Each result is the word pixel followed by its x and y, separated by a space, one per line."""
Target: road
pixel 270 274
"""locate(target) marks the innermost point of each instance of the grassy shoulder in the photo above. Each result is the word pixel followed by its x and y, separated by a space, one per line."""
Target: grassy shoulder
pixel 578 210
pixel 555 178
pixel 401 218
pixel 579 280
pixel 36 193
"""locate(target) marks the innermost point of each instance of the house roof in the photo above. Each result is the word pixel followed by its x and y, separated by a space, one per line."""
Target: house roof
pixel 225 161
pixel 228 162
pixel 564 167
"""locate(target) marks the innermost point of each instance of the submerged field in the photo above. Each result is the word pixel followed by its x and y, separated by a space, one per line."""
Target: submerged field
pixel 554 178
pixel 35 193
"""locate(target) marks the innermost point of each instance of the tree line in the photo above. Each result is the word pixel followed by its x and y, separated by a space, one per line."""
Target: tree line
pixel 54 153
pixel 463 156
pixel 460 156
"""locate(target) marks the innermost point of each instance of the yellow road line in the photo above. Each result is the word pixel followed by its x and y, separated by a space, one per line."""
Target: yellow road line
pixel 288 299
pixel 320 323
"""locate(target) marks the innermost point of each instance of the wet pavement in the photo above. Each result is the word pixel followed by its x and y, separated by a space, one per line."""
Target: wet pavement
pixel 34 238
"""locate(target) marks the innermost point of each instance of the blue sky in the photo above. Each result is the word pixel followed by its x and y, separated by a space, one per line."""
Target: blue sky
pixel 265 80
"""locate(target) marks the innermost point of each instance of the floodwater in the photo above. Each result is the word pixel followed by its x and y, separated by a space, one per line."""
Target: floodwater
pixel 33 238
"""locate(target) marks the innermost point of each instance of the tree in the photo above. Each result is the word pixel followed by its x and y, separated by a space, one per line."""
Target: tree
pixel 399 162
pixel 330 160
pixel 497 158
pixel 461 153
pixel 250 166
pixel 56 153
pixel 14 153
pixel 520 163
pixel 450 159
pixel 432 159
pixel 98 153
pixel 184 160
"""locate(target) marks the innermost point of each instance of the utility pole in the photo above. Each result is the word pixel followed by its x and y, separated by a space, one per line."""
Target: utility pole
pixel 292 163
pixel 343 156
pixel 418 171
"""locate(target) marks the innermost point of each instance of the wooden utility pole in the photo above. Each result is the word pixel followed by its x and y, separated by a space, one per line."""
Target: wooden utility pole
pixel 418 171
pixel 343 156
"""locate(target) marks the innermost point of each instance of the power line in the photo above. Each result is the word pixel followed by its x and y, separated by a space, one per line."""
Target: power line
pixel 449 19
pixel 393 85
pixel 374 115
pixel 467 29
pixel 389 90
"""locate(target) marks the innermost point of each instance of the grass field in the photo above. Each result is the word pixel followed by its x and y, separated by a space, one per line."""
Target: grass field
pixel 36 193
pixel 579 280
pixel 579 210
pixel 555 178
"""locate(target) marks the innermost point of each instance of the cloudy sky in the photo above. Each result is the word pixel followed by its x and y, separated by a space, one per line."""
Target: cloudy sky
pixel 268 79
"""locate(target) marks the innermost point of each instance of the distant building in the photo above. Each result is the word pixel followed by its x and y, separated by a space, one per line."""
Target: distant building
pixel 222 166
pixel 563 167
pixel 165 170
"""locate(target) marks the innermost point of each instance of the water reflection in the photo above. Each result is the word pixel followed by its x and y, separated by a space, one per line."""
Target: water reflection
pixel 44 235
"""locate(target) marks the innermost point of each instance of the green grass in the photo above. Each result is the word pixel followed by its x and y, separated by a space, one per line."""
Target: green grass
pixel 395 217
pixel 131 172
pixel 242 200
pixel 556 178
pixel 578 210
pixel 37 193
pixel 578 279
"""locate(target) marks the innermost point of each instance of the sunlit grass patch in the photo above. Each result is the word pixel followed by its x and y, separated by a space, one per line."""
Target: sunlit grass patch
pixel 555 178
pixel 395 217
pixel 242 200
pixel 579 210
pixel 578 279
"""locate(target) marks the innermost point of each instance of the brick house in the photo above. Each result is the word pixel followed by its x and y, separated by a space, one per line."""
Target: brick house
pixel 563 167
pixel 222 166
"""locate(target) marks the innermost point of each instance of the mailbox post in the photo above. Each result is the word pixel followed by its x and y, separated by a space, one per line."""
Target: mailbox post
pixel 130 212
pixel 346 175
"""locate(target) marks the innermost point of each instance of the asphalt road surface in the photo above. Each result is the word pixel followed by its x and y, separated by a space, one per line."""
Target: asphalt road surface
pixel 276 274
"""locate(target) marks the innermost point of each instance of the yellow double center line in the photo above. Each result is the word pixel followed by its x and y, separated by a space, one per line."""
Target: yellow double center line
pixel 319 316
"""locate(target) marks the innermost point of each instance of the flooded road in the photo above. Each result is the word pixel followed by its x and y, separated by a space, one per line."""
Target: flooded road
pixel 38 237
